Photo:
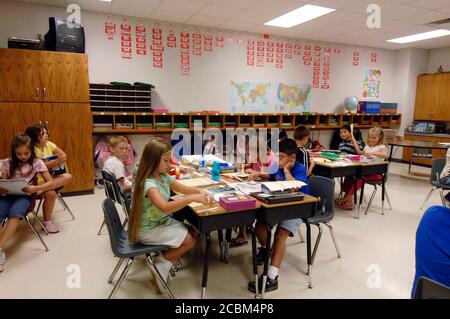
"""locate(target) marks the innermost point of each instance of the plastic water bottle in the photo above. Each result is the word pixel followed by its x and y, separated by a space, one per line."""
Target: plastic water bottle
pixel 202 166
pixel 215 172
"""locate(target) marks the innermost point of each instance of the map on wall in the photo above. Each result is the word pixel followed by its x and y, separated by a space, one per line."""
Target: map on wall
pixel 372 83
pixel 250 96
pixel 292 97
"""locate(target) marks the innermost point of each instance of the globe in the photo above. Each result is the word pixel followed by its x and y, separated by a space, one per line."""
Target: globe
pixel 351 103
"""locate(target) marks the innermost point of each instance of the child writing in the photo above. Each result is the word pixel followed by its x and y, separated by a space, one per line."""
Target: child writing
pixel 118 146
pixel 301 137
pixel 374 148
pixel 22 165
pixel 349 145
pixel 150 222
pixel 44 149
pixel 289 169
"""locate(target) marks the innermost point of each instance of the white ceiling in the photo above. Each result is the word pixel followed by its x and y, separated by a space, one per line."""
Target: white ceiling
pixel 346 25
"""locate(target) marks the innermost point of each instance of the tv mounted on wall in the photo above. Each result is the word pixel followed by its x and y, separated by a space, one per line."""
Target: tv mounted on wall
pixel 64 36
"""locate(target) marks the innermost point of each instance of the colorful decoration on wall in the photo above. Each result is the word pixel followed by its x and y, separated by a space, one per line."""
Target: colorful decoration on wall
pixel 171 38
pixel 260 53
pixel 125 39
pixel 185 57
pixel 316 68
pixel 356 57
pixel 372 83
pixel 207 42
pixel 141 38
pixel 307 58
pixel 373 56
pixel 292 97
pixel 326 69
pixel 196 43
pixel 110 28
pixel 157 46
pixel 250 52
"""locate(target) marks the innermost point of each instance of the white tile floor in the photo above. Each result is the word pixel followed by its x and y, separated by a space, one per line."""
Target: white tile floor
pixel 372 245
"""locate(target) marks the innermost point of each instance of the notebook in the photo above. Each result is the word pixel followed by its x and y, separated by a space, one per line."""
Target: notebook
pixel 281 187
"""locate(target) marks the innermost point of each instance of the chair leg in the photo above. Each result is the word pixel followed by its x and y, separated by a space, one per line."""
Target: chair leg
pixel 428 197
pixel 64 204
pixel 334 239
pixel 36 233
pixel 113 274
pixel 387 198
pixel 151 266
pixel 302 240
pixel 409 167
pixel 125 222
pixel 36 218
pixel 316 246
pixel 122 276
pixel 39 205
pixel 441 192
pixel 101 227
pixel 371 198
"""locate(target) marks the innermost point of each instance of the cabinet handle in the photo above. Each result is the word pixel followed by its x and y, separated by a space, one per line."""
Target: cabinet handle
pixel 38 94
pixel 45 94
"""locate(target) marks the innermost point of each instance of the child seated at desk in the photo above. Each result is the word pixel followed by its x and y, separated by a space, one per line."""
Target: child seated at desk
pixel 375 148
pixel 289 169
pixel 118 146
pixel 349 145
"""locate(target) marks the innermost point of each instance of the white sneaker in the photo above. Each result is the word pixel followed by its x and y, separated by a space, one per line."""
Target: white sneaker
pixel 2 260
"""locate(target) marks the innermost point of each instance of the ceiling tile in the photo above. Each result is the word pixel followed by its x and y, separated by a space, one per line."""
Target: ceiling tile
pixel 242 4
pixel 338 16
pixel 171 16
pixel 140 3
pixel 187 6
pixel 431 4
pixel 278 7
pixel 130 11
pixel 426 17
pixel 254 16
pixel 335 4
pixel 214 10
pixel 402 11
pixel 205 21
pixel 238 25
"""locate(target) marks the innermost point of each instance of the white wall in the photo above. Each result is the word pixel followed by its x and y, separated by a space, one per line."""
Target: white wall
pixel 208 85
pixel 437 58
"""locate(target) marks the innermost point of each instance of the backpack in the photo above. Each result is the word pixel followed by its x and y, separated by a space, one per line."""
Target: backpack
pixel 315 143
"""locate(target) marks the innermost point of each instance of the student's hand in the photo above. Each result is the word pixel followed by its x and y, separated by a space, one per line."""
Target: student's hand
pixel 252 175
pixel 289 165
pixel 3 191
pixel 201 198
pixel 368 155
pixel 62 157
pixel 30 189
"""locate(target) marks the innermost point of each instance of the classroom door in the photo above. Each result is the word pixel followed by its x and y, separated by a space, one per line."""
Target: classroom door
pixel 65 77
pixel 70 128
pixel 19 76
pixel 28 113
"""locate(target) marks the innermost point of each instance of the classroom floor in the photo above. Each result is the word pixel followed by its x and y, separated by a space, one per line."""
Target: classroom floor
pixel 377 255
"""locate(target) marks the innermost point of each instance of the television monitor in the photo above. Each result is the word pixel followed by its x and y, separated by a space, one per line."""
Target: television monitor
pixel 64 36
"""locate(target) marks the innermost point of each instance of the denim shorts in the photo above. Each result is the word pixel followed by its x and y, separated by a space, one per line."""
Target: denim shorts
pixel 290 225
pixel 14 206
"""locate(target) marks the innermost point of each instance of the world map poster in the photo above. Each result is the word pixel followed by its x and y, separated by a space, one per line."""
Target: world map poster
pixel 250 96
pixel 292 97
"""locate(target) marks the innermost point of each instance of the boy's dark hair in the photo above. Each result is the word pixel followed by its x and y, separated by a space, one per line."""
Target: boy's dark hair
pixel 346 127
pixel 288 146
pixel 282 135
pixel 300 132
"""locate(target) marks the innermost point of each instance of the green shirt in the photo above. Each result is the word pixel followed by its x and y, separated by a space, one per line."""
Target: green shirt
pixel 152 217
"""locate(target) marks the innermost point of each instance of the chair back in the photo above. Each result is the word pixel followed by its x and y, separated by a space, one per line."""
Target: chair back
pixel 437 165
pixel 323 188
pixel 430 289
pixel 117 235
pixel 113 191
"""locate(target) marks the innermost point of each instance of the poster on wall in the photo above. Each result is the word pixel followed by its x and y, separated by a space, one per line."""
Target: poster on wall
pixel 307 55
pixel 316 66
pixel 207 42
pixel 171 38
pixel 157 46
pixel 141 38
pixel 250 52
pixel 260 47
pixel 110 28
pixel 279 55
pixel 270 52
pixel 185 58
pixel 326 69
pixel 125 40
pixel 250 96
pixel 292 97
pixel 196 43
pixel 372 83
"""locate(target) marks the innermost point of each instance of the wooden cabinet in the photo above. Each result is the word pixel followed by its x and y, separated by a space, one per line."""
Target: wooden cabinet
pixel 63 105
pixel 433 97
pixel 43 76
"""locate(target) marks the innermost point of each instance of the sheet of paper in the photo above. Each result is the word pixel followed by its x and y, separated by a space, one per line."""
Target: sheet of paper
pixel 197 182
pixel 14 186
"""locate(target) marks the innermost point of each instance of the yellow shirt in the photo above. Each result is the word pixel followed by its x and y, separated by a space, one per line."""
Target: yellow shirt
pixel 45 152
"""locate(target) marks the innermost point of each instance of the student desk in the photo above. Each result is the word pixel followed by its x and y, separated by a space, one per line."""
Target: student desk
pixel 414 144
pixel 354 170
pixel 208 218
pixel 270 215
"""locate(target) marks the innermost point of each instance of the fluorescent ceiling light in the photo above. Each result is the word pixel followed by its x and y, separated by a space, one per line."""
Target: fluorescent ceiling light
pixel 106 0
pixel 421 36
pixel 299 15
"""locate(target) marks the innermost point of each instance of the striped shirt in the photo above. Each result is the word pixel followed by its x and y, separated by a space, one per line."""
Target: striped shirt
pixel 348 148
pixel 303 157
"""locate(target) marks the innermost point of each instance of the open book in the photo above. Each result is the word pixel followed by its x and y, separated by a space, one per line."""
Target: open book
pixel 282 187
pixel 14 186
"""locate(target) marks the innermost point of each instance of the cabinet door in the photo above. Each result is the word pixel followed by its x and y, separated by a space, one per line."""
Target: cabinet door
pixel 425 97
pixel 19 75
pixel 65 77
pixel 441 110
pixel 70 128
pixel 16 117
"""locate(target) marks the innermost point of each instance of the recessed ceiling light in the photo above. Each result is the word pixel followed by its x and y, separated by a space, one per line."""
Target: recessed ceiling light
pixel 300 15
pixel 106 0
pixel 421 36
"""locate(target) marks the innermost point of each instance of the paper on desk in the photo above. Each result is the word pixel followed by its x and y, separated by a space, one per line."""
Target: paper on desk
pixel 248 188
pixel 197 182
pixel 14 186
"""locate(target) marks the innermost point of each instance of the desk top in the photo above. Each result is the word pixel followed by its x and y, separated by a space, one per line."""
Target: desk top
pixel 420 144
pixel 328 163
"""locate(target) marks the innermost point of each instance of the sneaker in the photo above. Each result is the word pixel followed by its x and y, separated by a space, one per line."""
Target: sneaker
pixel 163 270
pixel 261 255
pixel 271 285
pixel 51 228
pixel 2 260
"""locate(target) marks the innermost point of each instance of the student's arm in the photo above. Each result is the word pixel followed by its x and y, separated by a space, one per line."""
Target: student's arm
pixel 311 166
pixel 123 185
pixel 287 171
pixel 187 190
pixel 358 150
pixel 173 206
pixel 62 157
pixel 49 184
pixel 383 154
pixel 252 174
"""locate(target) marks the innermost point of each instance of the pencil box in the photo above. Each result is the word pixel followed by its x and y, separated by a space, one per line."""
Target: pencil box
pixel 237 202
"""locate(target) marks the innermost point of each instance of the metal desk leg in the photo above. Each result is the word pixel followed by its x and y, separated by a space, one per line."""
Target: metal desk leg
pixel 383 189
pixel 390 153
pixel 308 253
pixel 361 195
pixel 220 237
pixel 266 261
pixel 205 264
pixel 254 261
pixel 227 245
pixel 355 197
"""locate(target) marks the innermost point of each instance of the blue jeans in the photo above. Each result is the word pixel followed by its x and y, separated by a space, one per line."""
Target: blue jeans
pixel 14 206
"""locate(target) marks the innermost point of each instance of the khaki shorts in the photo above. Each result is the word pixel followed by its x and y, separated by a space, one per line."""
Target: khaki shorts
pixel 172 234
